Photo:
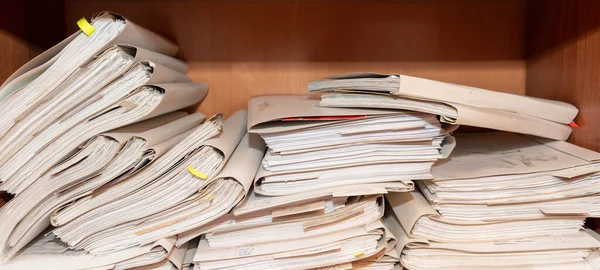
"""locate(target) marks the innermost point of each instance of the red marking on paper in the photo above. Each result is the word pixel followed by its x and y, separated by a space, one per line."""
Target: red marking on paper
pixel 325 118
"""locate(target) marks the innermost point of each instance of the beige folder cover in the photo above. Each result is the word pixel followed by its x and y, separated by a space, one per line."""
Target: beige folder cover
pixel 53 256
pixel 155 60
pixel 287 211
pixel 409 207
pixel 265 113
pixel 294 247
pixel 158 75
pixel 501 153
pixel 303 199
pixel 507 121
pixel 403 184
pixel 454 113
pixel 244 162
pixel 120 135
pixel 582 240
pixel 241 167
pixel 408 86
pixel 177 96
pixel 169 130
pixel 123 134
pixel 140 54
pixel 160 136
pixel 138 36
pixel 233 130
pixel 132 34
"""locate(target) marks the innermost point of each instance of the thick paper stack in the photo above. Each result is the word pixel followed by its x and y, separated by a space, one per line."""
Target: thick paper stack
pixel 455 104
pixel 176 193
pixel 314 148
pixel 81 119
pixel 502 200
pixel 319 232
pixel 102 159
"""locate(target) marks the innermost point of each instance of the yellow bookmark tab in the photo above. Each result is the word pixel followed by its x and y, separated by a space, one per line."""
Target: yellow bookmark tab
pixel 196 173
pixel 211 197
pixel 358 254
pixel 85 26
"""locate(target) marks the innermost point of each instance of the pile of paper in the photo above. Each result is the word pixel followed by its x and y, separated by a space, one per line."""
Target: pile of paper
pixel 314 148
pixel 177 192
pixel 502 200
pixel 302 231
pixel 83 118
pixel 455 104
pixel 107 173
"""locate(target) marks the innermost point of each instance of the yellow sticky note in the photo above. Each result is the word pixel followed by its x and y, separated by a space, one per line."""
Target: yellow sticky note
pixel 358 254
pixel 196 173
pixel 85 26
pixel 211 197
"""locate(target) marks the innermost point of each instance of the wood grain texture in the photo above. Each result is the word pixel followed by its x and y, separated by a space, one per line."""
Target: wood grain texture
pixel 14 52
pixel 564 60
pixel 244 49
pixel 38 22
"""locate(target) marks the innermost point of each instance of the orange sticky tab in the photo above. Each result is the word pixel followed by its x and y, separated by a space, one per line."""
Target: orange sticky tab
pixel 573 124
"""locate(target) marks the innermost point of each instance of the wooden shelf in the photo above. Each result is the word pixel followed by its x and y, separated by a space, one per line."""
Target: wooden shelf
pixel 564 61
pixel 244 49
pixel 250 48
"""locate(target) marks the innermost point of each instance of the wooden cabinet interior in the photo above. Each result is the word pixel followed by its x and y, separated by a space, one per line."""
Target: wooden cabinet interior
pixel 543 48
pixel 249 48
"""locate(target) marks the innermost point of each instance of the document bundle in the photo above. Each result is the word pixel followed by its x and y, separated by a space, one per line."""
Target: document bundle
pixel 502 200
pixel 95 164
pixel 79 121
pixel 314 148
pixel 109 172
pixel 322 232
pixel 173 194
pixel 455 104
pixel 50 253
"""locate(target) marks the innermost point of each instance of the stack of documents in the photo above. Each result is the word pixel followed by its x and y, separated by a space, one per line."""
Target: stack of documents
pixel 555 252
pixel 316 148
pixel 102 159
pixel 81 120
pixel 200 179
pixel 498 175
pixel 502 200
pixel 48 252
pixel 323 232
pixel 455 104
